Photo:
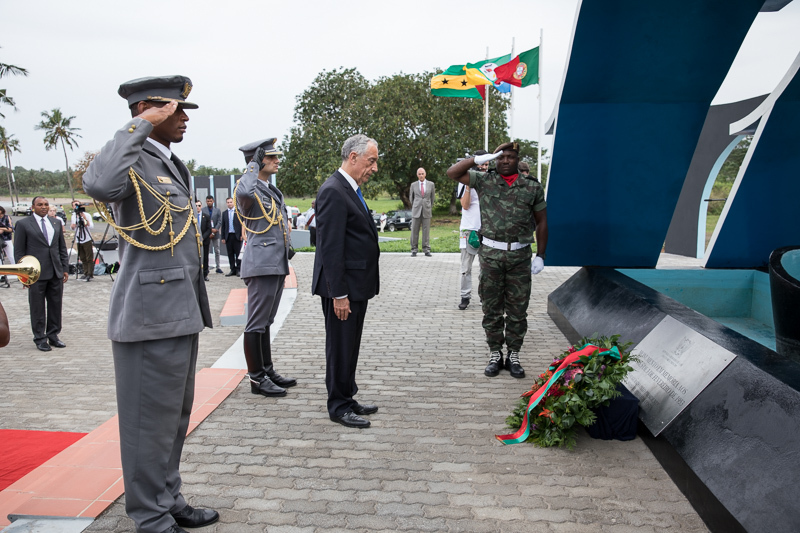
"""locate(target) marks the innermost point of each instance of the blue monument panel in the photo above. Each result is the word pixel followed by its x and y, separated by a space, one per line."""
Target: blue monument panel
pixel 641 76
pixel 762 214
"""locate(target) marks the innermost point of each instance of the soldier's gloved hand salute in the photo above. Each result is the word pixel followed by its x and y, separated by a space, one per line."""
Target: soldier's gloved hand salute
pixel 258 158
pixel 485 158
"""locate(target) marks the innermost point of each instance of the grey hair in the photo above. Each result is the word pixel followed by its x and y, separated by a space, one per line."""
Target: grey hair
pixel 358 144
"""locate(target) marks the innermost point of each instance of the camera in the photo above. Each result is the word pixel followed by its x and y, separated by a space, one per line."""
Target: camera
pixel 80 209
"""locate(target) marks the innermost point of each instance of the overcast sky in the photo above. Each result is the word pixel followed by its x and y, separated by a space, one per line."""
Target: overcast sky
pixel 248 60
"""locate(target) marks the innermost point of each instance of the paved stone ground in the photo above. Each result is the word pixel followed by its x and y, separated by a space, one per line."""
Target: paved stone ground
pixel 428 463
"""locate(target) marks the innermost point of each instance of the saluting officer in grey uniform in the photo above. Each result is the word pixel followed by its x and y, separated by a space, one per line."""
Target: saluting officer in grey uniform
pixel 158 301
pixel 265 264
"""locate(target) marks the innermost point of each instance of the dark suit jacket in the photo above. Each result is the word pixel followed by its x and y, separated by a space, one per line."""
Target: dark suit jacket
pixel 237 226
pixel 205 225
pixel 346 260
pixel 29 240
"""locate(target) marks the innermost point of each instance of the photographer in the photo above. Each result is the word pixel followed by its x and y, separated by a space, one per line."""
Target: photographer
pixel 81 224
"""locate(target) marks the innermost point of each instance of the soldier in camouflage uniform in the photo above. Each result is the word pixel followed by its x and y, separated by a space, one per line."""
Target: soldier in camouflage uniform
pixel 511 207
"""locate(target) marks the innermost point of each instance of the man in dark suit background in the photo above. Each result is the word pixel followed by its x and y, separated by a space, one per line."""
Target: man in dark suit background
pixel 43 237
pixel 232 236
pixel 346 274
pixel 205 230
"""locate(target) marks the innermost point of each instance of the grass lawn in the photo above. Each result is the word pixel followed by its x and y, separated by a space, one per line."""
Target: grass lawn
pixel 711 223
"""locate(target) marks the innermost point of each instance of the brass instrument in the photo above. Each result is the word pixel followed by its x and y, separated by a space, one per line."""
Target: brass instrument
pixel 27 270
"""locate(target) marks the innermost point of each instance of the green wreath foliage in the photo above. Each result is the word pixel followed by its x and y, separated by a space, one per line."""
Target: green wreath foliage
pixel 587 384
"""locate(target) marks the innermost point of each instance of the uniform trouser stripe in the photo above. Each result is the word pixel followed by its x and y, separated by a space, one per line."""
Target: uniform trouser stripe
pixel 155 390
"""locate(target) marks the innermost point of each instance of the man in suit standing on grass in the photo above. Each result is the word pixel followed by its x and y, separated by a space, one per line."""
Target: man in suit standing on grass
pixel 422 196
pixel 346 274
pixel 42 237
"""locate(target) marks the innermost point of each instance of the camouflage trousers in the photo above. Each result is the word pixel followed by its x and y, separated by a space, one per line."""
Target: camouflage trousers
pixel 505 290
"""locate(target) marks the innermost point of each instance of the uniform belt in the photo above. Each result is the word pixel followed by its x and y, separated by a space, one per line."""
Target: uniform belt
pixel 499 245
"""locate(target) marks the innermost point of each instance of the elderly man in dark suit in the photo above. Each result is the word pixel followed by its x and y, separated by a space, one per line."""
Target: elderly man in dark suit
pixel 346 274
pixel 158 302
pixel 232 236
pixel 43 237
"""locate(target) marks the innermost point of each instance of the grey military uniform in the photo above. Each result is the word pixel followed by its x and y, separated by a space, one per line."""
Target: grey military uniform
pixel 265 262
pixel 158 307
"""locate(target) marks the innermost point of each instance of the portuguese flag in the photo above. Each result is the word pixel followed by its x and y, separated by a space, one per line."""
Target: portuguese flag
pixel 521 71
pixel 453 83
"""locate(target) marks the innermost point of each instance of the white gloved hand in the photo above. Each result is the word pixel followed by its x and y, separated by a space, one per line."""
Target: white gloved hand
pixel 485 158
pixel 537 265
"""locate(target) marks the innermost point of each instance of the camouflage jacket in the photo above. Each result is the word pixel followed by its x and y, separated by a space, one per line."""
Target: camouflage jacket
pixel 507 212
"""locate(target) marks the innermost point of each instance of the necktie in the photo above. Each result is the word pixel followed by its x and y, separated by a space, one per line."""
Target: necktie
pixel 360 197
pixel 422 188
pixel 44 230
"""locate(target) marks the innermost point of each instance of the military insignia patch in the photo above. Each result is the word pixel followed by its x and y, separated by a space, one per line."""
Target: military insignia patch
pixel 521 71
pixel 187 88
pixel 164 179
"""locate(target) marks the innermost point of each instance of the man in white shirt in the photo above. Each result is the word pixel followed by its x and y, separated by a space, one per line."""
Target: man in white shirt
pixel 82 224
pixel 311 222
pixel 301 221
pixel 470 221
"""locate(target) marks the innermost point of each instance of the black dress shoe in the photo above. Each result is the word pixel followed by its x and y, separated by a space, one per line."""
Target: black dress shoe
pixel 413 254
pixel 427 254
pixel 57 343
pixel 351 420
pixel 174 528
pixel 231 273
pixel 191 517
pixel 362 410
pixel 43 346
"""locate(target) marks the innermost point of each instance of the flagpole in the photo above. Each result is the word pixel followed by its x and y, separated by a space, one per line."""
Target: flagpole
pixel 486 113
pixel 539 158
pixel 511 107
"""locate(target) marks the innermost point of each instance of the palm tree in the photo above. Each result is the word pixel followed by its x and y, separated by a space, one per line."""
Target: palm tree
pixel 5 70
pixel 8 145
pixel 59 128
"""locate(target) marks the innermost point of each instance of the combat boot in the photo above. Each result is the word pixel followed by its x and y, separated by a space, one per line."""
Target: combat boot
pixel 495 364
pixel 266 357
pixel 259 381
pixel 513 366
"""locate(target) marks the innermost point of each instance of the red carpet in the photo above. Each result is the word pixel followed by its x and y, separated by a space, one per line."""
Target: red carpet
pixel 22 451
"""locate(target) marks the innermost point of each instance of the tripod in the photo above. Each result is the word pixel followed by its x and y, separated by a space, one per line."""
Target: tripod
pixel 3 258
pixel 80 235
pixel 113 238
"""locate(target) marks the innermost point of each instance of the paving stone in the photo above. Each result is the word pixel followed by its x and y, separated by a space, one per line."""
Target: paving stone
pixel 429 461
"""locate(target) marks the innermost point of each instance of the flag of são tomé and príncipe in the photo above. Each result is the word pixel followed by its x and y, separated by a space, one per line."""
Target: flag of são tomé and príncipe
pixel 470 80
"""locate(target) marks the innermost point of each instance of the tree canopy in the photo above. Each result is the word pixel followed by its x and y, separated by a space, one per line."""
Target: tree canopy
pixel 412 127
pixel 5 70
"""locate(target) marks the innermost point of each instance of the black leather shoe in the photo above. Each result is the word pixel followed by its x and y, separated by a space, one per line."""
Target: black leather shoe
pixel 266 388
pixel 495 364
pixel 365 409
pixel 427 254
pixel 281 381
pixel 191 517
pixel 351 420
pixel 231 273
pixel 174 528
pixel 219 271
pixel 464 303
pixel 43 346
pixel 56 342
pixel 413 254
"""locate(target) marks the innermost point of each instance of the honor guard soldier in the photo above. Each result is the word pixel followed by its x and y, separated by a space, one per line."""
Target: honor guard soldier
pixel 265 265
pixel 511 207
pixel 158 302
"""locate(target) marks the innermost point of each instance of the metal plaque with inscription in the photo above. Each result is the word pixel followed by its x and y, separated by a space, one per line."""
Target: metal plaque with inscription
pixel 676 364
